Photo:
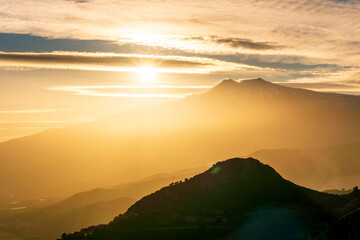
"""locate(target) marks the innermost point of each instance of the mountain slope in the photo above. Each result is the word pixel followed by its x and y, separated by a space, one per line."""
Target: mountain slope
pixel 50 222
pixel 319 168
pixel 222 203
pixel 348 227
pixel 231 119
pixel 83 209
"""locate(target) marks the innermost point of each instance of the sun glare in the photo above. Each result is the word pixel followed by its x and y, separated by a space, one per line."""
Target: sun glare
pixel 146 74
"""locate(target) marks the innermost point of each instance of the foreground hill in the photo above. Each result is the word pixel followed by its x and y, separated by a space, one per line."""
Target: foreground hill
pixel 230 119
pixel 348 227
pixel 235 199
pixel 333 167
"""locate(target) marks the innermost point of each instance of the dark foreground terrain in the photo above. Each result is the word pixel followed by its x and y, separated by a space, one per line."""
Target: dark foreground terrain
pixel 234 199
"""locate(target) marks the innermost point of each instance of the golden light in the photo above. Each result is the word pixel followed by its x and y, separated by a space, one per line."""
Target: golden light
pixel 148 38
pixel 146 74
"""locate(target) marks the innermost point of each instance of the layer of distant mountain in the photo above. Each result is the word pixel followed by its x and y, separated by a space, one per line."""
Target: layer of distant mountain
pixel 234 199
pixel 35 220
pixel 333 167
pixel 231 119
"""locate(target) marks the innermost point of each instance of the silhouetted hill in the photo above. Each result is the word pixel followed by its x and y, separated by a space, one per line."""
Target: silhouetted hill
pixel 231 119
pixel 234 199
pixel 319 168
pixel 347 228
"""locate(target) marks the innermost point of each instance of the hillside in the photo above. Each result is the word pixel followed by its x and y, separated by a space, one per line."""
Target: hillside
pixel 348 227
pixel 82 209
pixel 223 203
pixel 50 222
pixel 231 119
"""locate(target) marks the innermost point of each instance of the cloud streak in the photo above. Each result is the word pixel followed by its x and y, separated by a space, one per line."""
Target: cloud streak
pixel 36 124
pixel 114 62
pixel 151 91
pixel 240 43
pixel 33 111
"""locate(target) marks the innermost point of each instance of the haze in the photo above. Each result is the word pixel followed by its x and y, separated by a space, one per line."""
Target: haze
pixel 105 102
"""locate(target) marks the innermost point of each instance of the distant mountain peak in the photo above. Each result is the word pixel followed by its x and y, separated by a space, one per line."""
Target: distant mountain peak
pixel 256 81
pixel 229 85
pixel 228 82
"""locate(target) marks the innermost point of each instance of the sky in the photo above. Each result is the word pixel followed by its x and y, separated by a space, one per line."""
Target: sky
pixel 63 62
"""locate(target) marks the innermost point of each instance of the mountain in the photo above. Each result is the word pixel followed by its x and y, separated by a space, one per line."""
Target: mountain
pixel 91 207
pixel 333 167
pixel 135 189
pixel 234 199
pixel 231 119
pixel 50 222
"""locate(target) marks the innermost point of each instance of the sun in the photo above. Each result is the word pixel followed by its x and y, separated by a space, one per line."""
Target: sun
pixel 146 74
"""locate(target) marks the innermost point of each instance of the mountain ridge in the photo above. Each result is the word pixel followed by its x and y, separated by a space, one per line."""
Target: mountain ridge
pixel 262 86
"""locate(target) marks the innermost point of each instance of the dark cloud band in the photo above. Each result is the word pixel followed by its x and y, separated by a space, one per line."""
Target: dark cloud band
pixel 240 43
pixel 107 60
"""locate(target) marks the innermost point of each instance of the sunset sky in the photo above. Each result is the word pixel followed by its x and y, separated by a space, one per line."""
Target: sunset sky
pixel 64 62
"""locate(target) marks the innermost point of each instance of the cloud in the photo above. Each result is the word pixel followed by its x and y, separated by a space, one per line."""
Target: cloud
pixel 245 43
pixel 346 1
pixel 300 37
pixel 113 62
pixel 135 91
pixel 36 124
pixel 99 59
pixel 46 110
pixel 79 1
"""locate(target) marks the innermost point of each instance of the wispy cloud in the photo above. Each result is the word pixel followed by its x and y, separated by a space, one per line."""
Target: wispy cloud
pixel 79 1
pixel 273 29
pixel 151 91
pixel 240 43
pixel 115 62
pixel 46 110
pixel 36 123
pixel 307 26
